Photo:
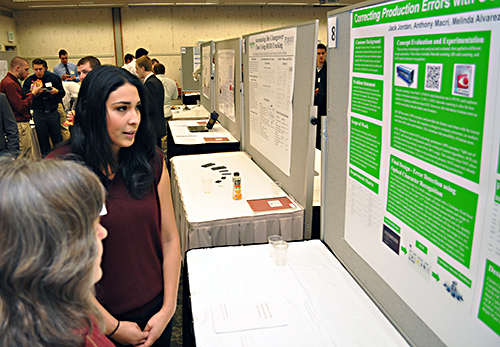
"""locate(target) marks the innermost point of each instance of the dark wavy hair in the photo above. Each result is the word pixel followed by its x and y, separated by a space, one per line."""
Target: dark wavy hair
pixel 90 140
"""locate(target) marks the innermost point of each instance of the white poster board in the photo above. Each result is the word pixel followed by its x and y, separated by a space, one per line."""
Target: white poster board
pixel 271 71
pixel 206 71
pixel 225 82
pixel 423 187
pixel 196 58
pixel 3 69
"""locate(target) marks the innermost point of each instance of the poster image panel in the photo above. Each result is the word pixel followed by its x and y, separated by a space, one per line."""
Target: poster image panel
pixel 225 82
pixel 271 73
pixel 206 71
pixel 423 183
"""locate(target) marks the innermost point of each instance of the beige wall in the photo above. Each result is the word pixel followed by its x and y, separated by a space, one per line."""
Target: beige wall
pixel 7 24
pixel 80 32
pixel 162 30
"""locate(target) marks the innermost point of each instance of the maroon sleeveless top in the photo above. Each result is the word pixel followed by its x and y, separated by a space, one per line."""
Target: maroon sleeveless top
pixel 132 260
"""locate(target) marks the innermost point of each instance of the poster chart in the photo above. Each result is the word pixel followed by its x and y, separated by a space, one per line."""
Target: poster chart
pixel 3 69
pixel 225 82
pixel 206 70
pixel 196 58
pixel 423 191
pixel 271 79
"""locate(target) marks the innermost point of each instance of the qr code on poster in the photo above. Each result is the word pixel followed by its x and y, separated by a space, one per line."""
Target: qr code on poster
pixel 433 77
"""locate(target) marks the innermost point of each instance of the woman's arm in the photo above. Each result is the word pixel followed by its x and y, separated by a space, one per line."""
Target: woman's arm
pixel 128 333
pixel 171 261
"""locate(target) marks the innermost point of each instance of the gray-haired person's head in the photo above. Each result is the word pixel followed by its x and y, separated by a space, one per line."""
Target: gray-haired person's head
pixel 48 251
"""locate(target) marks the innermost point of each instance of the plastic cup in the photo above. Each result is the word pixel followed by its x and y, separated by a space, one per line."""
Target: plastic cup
pixel 276 188
pixel 280 249
pixel 207 185
pixel 272 239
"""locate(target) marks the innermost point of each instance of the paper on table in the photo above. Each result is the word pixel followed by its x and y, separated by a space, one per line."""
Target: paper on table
pixel 244 314
pixel 271 204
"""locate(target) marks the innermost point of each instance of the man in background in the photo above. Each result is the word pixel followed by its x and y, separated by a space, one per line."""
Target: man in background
pixel 128 58
pixel 155 96
pixel 84 66
pixel 60 107
pixel 19 69
pixel 320 89
pixel 9 135
pixel 169 87
pixel 130 67
pixel 45 104
pixel 66 70
pixel 87 64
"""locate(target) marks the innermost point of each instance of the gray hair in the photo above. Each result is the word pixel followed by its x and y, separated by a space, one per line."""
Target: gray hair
pixel 47 251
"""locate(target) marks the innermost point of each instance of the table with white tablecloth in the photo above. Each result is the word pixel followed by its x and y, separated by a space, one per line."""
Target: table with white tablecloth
pixel 183 136
pixel 321 303
pixel 183 112
pixel 216 219
pixel 181 141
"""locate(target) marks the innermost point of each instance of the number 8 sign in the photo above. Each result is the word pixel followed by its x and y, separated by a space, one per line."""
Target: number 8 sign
pixel 332 32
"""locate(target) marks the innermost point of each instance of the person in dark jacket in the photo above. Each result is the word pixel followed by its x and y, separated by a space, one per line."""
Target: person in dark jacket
pixel 9 135
pixel 320 89
pixel 45 114
pixel 155 97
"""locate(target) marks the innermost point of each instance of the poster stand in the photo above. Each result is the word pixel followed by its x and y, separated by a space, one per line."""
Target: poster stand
pixel 207 77
pixel 228 89
pixel 299 182
pixel 422 304
pixel 188 82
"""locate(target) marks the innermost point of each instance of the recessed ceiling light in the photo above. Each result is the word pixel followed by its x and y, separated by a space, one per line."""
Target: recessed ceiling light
pixel 101 5
pixel 153 4
pixel 51 6
pixel 36 0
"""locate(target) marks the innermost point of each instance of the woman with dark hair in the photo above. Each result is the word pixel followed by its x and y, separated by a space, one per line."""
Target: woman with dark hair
pixel 50 254
pixel 141 264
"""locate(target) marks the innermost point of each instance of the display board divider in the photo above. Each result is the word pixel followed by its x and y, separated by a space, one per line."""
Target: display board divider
pixel 188 83
pixel 299 182
pixel 230 111
pixel 334 166
pixel 207 77
pixel 389 56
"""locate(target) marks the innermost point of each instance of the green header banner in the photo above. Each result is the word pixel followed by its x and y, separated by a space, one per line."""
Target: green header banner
pixel 418 9
pixel 364 180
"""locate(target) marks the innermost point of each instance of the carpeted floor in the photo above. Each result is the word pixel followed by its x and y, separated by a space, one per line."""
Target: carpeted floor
pixel 176 340
pixel 177 327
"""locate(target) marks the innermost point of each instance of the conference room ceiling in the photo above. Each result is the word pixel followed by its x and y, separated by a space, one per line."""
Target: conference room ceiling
pixel 20 5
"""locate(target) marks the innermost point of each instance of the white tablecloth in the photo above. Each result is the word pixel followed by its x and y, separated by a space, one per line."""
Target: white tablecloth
pixel 324 306
pixel 182 136
pixel 216 219
pixel 180 112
